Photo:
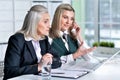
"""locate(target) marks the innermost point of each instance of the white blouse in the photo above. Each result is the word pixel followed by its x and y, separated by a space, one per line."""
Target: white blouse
pixel 68 58
pixel 36 46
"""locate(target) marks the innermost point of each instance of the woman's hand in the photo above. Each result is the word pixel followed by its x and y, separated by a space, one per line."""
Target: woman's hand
pixel 77 32
pixel 46 59
pixel 82 51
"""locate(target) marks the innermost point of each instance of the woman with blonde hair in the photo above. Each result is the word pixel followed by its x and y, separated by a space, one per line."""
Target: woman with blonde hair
pixel 65 34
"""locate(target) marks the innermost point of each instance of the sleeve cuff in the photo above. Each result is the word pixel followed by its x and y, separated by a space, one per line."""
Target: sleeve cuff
pixel 69 58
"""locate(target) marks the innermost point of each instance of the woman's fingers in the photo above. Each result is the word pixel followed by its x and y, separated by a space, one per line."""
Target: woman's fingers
pixel 90 49
pixel 85 50
pixel 47 58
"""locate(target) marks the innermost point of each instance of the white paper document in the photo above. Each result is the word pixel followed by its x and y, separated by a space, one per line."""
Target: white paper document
pixel 67 73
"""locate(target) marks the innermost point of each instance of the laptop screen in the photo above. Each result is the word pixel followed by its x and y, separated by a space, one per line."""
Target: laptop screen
pixel 105 54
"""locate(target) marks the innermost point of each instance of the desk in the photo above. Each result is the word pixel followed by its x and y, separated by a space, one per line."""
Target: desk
pixel 109 71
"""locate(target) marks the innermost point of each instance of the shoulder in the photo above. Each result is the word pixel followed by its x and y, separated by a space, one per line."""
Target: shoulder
pixel 71 38
pixel 17 37
pixel 17 40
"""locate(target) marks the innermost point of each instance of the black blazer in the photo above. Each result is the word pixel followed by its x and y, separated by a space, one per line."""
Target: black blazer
pixel 21 58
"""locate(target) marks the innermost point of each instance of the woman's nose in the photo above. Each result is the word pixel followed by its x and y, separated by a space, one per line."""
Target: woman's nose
pixel 68 21
pixel 49 26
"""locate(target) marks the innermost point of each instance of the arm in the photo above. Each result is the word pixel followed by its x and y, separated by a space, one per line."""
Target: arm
pixel 71 57
pixel 56 57
pixel 13 64
pixel 77 33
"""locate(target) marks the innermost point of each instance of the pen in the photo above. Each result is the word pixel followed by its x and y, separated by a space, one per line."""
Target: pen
pixel 57 73
pixel 81 70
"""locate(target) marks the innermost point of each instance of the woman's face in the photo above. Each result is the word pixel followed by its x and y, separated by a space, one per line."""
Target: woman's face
pixel 44 25
pixel 67 20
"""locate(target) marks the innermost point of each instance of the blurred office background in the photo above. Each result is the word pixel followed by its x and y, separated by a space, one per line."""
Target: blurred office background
pixel 98 19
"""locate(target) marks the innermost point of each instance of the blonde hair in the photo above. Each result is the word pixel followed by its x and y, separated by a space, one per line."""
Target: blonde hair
pixel 29 28
pixel 55 27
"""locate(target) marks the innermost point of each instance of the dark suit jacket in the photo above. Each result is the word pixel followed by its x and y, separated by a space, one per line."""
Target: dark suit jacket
pixel 21 58
pixel 59 46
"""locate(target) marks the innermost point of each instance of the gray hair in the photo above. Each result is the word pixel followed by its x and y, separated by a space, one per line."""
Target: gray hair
pixel 29 28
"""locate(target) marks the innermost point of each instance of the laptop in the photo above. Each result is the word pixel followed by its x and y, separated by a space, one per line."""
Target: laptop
pixel 101 56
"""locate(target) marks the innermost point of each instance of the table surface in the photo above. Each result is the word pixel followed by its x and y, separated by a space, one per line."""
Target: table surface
pixel 108 71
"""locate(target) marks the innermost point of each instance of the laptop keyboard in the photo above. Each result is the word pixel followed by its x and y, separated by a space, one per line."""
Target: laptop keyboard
pixel 83 65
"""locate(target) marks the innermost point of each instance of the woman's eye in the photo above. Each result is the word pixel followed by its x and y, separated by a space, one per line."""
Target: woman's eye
pixel 45 21
pixel 65 17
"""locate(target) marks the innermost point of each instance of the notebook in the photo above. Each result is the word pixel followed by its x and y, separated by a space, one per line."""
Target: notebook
pixel 67 73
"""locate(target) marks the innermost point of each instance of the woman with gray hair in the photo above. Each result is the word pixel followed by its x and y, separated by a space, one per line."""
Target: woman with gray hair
pixel 29 48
